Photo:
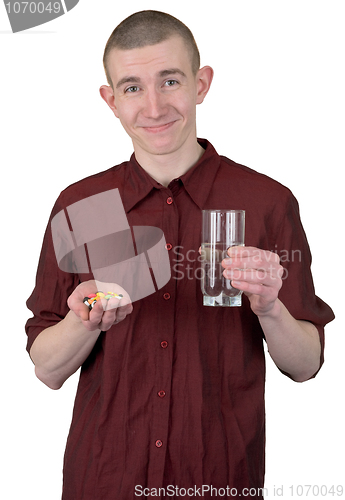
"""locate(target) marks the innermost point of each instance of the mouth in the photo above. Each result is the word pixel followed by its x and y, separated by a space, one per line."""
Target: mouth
pixel 159 128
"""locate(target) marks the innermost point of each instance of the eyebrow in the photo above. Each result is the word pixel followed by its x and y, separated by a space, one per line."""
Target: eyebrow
pixel 173 71
pixel 161 74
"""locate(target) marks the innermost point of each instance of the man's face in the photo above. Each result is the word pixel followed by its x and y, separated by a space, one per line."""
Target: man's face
pixel 155 95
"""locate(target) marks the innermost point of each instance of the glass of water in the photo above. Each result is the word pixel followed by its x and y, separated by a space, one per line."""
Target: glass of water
pixel 221 229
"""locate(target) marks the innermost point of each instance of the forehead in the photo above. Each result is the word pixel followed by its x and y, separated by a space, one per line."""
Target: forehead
pixel 150 60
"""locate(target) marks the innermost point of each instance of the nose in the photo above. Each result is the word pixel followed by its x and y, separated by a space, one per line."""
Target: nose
pixel 154 104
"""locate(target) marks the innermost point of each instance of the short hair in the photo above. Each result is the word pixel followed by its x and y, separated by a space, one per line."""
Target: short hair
pixel 149 27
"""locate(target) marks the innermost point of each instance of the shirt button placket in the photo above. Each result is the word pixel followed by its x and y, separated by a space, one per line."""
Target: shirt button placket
pixel 159 443
pixel 161 394
pixel 164 362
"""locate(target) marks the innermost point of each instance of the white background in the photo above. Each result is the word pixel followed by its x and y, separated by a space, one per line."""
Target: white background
pixel 276 105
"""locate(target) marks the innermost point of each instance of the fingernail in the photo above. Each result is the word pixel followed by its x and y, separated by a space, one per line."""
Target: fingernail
pixel 233 250
pixel 235 284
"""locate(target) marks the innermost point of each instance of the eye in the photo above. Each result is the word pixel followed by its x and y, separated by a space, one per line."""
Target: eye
pixel 132 89
pixel 170 83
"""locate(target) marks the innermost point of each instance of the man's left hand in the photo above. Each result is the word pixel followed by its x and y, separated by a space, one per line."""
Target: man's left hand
pixel 257 273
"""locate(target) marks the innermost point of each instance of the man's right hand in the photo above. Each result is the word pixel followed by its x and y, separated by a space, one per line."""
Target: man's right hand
pixel 105 313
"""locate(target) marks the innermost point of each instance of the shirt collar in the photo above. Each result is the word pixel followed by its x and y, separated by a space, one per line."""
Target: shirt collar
pixel 197 181
pixel 138 184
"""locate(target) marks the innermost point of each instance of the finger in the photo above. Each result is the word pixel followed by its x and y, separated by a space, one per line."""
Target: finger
pixel 123 307
pixel 114 316
pixel 84 311
pixel 260 261
pixel 267 293
pixel 123 311
pixel 112 303
pixel 265 277
pixel 256 254
pixel 108 319
pixel 94 317
pixel 75 300
pixel 115 310
pixel 79 308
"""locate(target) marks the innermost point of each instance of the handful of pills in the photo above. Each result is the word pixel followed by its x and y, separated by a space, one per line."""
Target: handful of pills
pixel 93 298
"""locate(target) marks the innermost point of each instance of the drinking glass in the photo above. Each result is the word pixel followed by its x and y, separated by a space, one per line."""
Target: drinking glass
pixel 221 229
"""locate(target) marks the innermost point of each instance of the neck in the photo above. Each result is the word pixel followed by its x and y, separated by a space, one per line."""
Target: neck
pixel 166 167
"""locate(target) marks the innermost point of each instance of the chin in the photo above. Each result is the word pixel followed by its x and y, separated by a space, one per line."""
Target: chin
pixel 162 147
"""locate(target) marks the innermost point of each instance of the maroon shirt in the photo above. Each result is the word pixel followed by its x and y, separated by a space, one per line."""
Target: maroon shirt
pixel 174 394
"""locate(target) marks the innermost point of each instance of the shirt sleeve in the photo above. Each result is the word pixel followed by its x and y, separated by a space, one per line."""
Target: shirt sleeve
pixel 48 301
pixel 298 292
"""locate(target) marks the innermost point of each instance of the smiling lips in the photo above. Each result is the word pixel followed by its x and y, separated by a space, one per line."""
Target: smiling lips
pixel 159 128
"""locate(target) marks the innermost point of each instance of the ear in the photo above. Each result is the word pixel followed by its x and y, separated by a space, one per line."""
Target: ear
pixel 107 95
pixel 204 79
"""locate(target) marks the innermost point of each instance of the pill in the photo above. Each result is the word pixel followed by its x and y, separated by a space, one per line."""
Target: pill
pixel 93 298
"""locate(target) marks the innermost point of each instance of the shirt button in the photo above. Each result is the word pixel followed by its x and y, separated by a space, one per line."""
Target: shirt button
pixel 161 394
pixel 169 200
pixel 159 443
pixel 166 296
pixel 164 344
pixel 168 246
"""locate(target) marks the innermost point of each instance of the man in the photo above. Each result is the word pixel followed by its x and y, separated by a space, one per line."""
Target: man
pixel 171 393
